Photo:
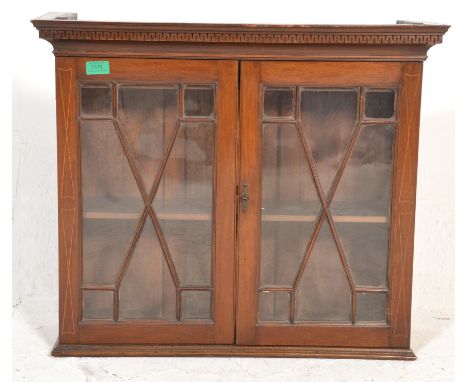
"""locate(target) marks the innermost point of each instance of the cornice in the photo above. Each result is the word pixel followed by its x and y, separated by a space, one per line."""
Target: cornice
pixel 60 27
pixel 246 37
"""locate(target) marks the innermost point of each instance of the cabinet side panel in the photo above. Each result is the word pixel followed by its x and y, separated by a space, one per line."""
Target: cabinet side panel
pixel 403 205
pixel 68 200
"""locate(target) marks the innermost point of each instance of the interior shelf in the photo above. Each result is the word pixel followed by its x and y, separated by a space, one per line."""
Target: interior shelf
pixel 131 209
pixel 205 217
pixel 162 216
pixel 336 218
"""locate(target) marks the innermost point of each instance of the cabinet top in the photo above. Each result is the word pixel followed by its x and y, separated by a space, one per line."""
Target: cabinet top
pixel 397 42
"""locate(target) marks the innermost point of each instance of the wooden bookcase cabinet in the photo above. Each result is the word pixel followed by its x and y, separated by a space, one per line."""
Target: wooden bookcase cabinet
pixel 236 189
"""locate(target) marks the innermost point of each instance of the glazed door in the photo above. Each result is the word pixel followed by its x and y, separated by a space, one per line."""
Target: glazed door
pixel 318 146
pixel 157 206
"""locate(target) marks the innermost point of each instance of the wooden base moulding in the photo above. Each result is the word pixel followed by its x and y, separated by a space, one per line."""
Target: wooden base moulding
pixel 79 350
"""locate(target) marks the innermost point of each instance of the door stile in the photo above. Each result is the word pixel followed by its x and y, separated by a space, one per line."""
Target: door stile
pixel 249 229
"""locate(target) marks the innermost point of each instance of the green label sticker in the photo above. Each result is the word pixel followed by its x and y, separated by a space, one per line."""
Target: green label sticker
pixel 97 67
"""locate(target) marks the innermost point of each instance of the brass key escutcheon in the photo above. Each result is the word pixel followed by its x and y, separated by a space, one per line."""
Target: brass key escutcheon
pixel 244 197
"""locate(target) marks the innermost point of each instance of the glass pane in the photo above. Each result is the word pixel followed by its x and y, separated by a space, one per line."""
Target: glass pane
pixel 199 101
pixel 196 304
pixel 184 201
pixel 365 186
pixel 290 205
pixel 329 119
pixel 278 102
pixel 147 117
pixel 371 307
pixel 364 191
pixel 147 290
pixel 189 243
pixel 366 247
pixel 274 306
pixel 111 202
pixel 283 247
pixel 96 100
pixel 105 246
pixel 323 293
pixel 98 304
pixel 108 184
pixel 380 103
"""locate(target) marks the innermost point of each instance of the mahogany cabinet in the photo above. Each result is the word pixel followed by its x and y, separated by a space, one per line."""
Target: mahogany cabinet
pixel 238 190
